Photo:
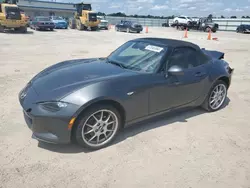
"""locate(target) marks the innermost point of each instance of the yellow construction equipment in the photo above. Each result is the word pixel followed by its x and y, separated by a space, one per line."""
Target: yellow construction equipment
pixel 11 16
pixel 84 18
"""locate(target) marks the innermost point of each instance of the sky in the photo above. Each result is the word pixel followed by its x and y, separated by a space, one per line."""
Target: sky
pixel 172 7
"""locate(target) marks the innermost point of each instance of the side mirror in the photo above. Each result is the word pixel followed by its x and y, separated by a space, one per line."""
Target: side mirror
pixel 175 70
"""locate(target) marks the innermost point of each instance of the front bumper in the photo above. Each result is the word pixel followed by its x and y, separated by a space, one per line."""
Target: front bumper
pixel 12 23
pixel 61 26
pixel 133 29
pixel 45 27
pixel 230 71
pixel 47 126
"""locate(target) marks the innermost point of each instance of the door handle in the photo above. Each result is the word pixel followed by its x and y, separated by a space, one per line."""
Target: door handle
pixel 200 74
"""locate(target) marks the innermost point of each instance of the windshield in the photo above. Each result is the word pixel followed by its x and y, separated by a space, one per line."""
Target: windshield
pixel 43 19
pixel 189 18
pixel 57 18
pixel 138 56
pixel 246 26
pixel 100 17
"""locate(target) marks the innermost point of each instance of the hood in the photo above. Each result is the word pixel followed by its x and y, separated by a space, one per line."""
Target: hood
pixel 66 76
pixel 58 21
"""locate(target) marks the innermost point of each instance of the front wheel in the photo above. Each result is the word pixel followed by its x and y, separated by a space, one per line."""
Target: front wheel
pixel 216 96
pixel 207 29
pixel 98 127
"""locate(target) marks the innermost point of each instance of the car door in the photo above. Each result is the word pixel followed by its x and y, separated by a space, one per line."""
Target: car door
pixel 34 22
pixel 120 25
pixel 176 90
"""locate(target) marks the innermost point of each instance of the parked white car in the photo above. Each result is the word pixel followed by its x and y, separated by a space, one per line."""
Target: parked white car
pixel 182 20
pixel 103 22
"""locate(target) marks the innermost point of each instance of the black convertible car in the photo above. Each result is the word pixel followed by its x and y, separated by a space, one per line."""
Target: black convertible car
pixel 90 100
pixel 128 27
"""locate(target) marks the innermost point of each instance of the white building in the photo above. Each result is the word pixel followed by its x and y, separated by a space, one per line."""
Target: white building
pixel 46 8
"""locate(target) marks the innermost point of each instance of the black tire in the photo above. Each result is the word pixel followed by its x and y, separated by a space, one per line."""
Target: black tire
pixel 22 29
pixel 1 29
pixel 138 31
pixel 93 28
pixel 51 29
pixel 207 29
pixel 79 25
pixel 85 116
pixel 72 23
pixel 206 104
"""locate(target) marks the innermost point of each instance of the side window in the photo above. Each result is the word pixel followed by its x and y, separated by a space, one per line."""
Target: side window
pixel 184 57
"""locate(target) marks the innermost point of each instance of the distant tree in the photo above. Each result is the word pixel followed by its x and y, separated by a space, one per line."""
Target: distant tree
pixel 118 14
pixel 210 16
pixel 233 17
pixel 222 16
pixel 243 17
pixel 101 14
pixel 247 16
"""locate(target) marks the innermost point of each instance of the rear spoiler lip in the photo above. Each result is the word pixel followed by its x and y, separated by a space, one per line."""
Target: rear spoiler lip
pixel 214 54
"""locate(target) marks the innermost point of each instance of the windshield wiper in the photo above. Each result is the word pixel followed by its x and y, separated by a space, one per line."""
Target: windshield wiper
pixel 117 64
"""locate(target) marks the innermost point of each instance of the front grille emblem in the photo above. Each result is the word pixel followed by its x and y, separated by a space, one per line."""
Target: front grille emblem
pixel 23 94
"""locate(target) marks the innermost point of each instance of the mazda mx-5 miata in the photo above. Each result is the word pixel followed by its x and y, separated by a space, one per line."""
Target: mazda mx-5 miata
pixel 90 100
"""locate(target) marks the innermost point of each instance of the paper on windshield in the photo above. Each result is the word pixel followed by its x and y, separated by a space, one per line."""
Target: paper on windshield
pixel 154 48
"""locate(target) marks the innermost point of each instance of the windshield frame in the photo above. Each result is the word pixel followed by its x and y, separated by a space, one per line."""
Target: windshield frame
pixel 42 19
pixel 57 18
pixel 158 69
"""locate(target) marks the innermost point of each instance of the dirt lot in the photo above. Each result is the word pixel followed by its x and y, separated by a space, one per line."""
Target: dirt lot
pixel 192 149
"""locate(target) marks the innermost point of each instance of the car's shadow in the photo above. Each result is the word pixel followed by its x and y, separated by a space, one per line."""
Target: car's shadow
pixel 162 120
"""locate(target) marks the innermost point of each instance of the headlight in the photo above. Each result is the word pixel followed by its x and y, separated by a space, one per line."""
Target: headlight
pixel 53 106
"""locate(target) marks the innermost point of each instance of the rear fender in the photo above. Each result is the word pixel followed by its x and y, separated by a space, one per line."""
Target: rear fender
pixel 214 54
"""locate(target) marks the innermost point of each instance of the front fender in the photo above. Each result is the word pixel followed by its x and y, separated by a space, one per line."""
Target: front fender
pixel 120 92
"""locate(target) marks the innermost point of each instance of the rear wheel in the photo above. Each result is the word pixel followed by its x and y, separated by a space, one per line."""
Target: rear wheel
pixel 216 96
pixel 22 29
pixel 79 25
pixel 98 127
pixel 72 23
pixel 93 28
pixel 1 29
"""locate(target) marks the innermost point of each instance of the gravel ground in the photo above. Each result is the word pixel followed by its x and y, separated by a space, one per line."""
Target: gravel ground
pixel 192 149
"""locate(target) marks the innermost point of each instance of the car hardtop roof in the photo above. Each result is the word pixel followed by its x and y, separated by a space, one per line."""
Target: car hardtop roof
pixel 169 42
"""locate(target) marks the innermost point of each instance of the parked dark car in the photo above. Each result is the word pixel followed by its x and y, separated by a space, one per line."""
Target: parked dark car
pixel 90 100
pixel 243 28
pixel 42 23
pixel 128 26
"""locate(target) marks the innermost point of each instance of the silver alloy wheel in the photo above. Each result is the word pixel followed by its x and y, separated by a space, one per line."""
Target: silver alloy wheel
pixel 99 128
pixel 217 96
